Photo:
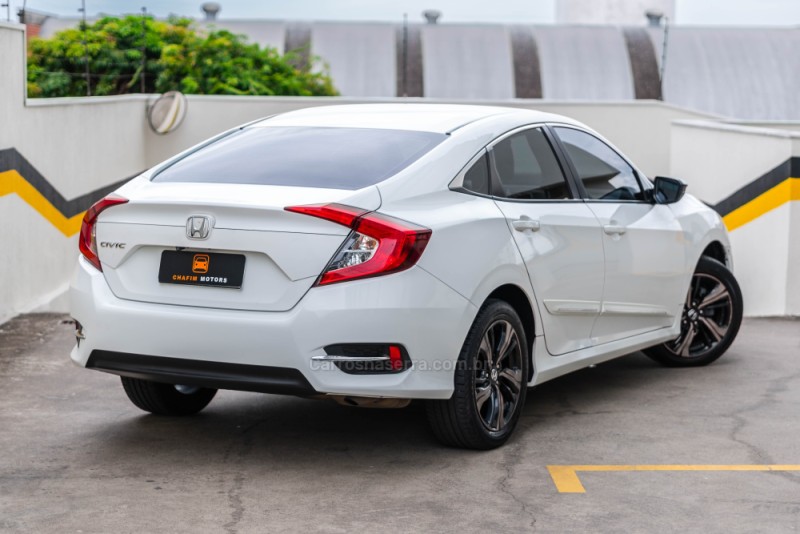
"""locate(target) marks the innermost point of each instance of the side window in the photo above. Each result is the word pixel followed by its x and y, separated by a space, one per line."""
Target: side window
pixel 476 179
pixel 603 172
pixel 528 169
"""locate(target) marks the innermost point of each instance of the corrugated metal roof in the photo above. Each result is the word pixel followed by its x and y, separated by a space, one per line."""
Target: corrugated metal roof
pixel 743 73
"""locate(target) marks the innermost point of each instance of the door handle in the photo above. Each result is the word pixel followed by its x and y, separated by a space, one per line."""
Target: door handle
pixel 520 225
pixel 613 229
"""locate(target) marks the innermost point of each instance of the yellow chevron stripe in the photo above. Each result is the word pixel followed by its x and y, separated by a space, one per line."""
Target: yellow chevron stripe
pixel 784 192
pixel 12 182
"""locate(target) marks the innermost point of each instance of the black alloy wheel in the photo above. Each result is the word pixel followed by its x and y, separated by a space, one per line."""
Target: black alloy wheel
pixel 712 315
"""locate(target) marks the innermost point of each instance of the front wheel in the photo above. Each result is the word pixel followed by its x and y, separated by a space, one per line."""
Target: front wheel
pixel 166 399
pixel 711 318
pixel 490 382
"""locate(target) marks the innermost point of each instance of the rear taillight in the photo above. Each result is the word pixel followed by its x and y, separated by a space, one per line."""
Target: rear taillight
pixel 377 245
pixel 88 240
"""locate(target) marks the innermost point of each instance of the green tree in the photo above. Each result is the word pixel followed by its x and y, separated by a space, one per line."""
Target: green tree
pixel 176 57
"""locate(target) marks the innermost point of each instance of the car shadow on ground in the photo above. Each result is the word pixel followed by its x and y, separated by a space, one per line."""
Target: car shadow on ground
pixel 310 430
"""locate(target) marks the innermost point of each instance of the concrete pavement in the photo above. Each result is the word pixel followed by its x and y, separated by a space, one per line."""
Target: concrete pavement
pixel 76 456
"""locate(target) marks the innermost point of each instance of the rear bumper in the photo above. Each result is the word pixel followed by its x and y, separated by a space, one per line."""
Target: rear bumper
pixel 218 375
pixel 226 348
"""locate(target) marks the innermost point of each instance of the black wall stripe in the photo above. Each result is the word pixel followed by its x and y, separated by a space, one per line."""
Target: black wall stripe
pixel 10 159
pixel 795 167
pixel 788 169
pixel 644 64
pixel 409 62
pixel 297 43
pixel 527 70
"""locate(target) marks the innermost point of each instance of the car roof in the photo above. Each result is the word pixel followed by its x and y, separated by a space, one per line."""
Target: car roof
pixel 439 118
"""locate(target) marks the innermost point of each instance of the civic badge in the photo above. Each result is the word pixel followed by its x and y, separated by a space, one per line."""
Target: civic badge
pixel 198 227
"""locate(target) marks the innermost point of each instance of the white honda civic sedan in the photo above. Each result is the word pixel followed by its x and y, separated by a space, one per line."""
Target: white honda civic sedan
pixel 375 254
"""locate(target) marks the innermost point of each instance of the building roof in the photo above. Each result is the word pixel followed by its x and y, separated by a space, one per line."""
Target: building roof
pixel 742 73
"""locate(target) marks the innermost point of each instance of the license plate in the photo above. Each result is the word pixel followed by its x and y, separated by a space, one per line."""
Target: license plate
pixel 201 269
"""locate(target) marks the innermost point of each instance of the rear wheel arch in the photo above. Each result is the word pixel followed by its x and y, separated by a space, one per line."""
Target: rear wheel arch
pixel 518 300
pixel 489 389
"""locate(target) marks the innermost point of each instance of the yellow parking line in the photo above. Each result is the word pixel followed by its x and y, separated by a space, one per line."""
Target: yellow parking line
pixel 565 477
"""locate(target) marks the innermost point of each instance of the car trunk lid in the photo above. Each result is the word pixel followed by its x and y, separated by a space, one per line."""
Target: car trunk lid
pixel 283 252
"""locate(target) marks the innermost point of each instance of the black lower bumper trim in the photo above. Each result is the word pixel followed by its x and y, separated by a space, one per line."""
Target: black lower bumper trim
pixel 217 375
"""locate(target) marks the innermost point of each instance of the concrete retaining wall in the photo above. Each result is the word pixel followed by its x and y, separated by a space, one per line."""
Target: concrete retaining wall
pixel 77 146
pixel 58 155
pixel 750 175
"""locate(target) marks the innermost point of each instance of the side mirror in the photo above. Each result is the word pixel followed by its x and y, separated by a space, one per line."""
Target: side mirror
pixel 668 190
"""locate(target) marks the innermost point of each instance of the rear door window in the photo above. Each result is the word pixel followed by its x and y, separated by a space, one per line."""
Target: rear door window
pixel 335 158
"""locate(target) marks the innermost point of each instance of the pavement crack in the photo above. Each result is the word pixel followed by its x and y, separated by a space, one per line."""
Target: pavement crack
pixel 757 454
pixel 235 504
pixel 511 458
pixel 236 455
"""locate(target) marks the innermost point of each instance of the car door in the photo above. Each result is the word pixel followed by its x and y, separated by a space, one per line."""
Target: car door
pixel 643 242
pixel 556 233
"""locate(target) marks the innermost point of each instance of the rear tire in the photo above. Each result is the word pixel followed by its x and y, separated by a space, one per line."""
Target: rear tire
pixel 712 315
pixel 490 379
pixel 166 399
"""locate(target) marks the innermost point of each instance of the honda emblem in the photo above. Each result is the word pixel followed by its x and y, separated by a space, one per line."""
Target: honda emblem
pixel 198 227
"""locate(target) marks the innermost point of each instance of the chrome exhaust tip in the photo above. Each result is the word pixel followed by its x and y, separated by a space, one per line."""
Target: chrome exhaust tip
pixel 79 335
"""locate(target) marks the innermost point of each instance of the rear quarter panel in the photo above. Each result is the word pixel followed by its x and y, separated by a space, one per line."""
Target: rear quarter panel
pixel 471 247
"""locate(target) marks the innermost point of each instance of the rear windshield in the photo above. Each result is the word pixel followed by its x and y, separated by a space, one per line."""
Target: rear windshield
pixel 335 158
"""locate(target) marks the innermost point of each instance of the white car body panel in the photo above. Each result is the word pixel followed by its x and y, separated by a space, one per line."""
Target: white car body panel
pixel 592 296
pixel 564 259
pixel 290 339
pixel 645 282
pixel 547 367
pixel 285 252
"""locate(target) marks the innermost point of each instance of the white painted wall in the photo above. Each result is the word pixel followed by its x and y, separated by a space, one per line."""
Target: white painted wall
pixel 791 126
pixel 79 145
pixel 716 159
pixel 761 251
pixel 84 144
pixel 12 77
pixel 793 263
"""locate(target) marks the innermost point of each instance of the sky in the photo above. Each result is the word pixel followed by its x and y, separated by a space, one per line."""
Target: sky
pixel 700 12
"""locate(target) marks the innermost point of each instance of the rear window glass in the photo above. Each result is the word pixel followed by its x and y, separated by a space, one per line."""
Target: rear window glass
pixel 335 158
